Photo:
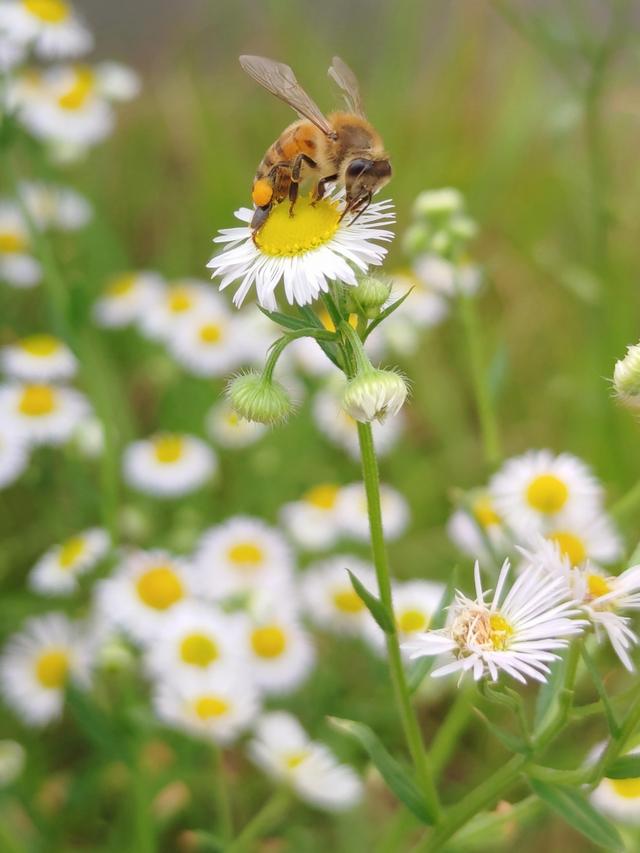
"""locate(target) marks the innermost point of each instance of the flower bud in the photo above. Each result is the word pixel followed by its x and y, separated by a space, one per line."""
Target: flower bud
pixel 374 394
pixel 258 398
pixel 368 296
pixel 626 378
pixel 438 202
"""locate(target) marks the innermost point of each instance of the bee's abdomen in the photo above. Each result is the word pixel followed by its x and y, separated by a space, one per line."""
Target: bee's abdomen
pixel 298 138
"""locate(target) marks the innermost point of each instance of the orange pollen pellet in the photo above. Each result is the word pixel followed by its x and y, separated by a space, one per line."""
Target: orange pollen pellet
pixel 262 193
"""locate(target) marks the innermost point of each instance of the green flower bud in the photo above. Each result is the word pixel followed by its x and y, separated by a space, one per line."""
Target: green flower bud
pixel 368 296
pixel 373 394
pixel 416 239
pixel 438 202
pixel 626 378
pixel 258 398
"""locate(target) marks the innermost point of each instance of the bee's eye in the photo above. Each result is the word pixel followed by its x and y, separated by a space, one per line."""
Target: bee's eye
pixel 357 167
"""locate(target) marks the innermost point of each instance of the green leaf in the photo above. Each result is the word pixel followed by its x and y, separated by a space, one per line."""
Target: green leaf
pixel 384 314
pixel 548 693
pixel 375 607
pixel 422 667
pixel 512 742
pixel 97 727
pixel 572 806
pixel 285 320
pixel 612 723
pixel 626 767
pixel 394 774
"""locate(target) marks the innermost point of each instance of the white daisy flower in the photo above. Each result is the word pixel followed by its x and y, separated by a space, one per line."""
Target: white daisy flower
pixel 314 521
pixel 583 539
pixel 117 82
pixel 50 27
pixel 196 636
pixel 478 530
pixel 142 592
pixel 447 278
pixel 619 799
pixel 207 344
pixel 56 207
pixel 415 603
pixel 42 413
pixel 13 758
pixel 285 752
pixel 280 652
pixel 38 662
pixel 57 571
pixel 330 600
pixel 518 635
pixel 214 704
pixel 17 267
pixel 341 429
pixel 176 303
pixel 39 358
pixel 168 465
pixel 352 511
pixel 229 430
pixel 14 454
pixel 126 298
pixel 305 251
pixel 533 490
pixel 425 306
pixel 239 556
pixel 12 53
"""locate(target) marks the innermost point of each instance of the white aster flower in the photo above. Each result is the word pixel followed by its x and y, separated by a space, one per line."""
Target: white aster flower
pixel 240 556
pixel 14 454
pixel 415 603
pixel 518 635
pixel 330 600
pixel 177 302
pixel 214 704
pixel 619 799
pixel 117 82
pixel 425 306
pixel 478 530
pixel 17 267
pixel 57 571
pixel 13 757
pixel 50 27
pixel 37 664
pixel 207 343
pixel 533 491
pixel 42 413
pixel 168 465
pixel 314 521
pixel 229 430
pixel 55 207
pixel 139 596
pixel 583 539
pixel 12 52
pixel 39 358
pixel 352 511
pixel 305 251
pixel 447 278
pixel 127 298
pixel 196 636
pixel 285 752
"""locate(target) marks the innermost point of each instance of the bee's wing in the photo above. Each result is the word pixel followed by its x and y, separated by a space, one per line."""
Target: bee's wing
pixel 348 82
pixel 280 80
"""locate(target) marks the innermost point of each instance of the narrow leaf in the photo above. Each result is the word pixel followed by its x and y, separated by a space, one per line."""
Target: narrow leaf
pixel 572 806
pixel 375 607
pixel 626 767
pixel 284 320
pixel 393 773
pixel 512 742
pixel 548 692
pixel 612 723
pixel 384 314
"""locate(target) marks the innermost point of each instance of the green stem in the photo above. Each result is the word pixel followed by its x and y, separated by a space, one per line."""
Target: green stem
pixel 261 822
pixel 617 745
pixel 446 738
pixel 627 505
pixel 221 794
pixel 484 404
pixel 555 721
pixel 403 698
pixel 282 343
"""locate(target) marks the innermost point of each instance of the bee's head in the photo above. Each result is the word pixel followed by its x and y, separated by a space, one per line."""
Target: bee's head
pixel 363 178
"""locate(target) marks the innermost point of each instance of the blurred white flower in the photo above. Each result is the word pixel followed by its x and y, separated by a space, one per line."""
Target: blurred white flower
pixel 39 358
pixel 619 799
pixel 168 465
pixel 126 298
pixel 330 600
pixel 42 413
pixel 177 302
pixel 351 508
pixel 55 207
pixel 17 267
pixel 415 603
pixel 444 277
pixel 478 530
pixel 314 521
pixel 230 431
pixel 117 82
pixel 57 571
pixel 14 454
pixel 50 27
pixel 207 343
pixel 285 752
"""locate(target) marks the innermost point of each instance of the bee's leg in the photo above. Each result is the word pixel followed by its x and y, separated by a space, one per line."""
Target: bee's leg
pixel 321 187
pixel 295 177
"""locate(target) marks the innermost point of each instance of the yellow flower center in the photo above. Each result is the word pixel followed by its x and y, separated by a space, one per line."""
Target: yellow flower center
pixel 499 631
pixel 40 346
pixel 80 90
pixel 210 706
pixel 570 546
pixel 12 243
pixel 245 555
pixel 485 513
pixel 52 668
pixel 597 586
pixel 122 285
pixel 168 449
pixel 210 333
pixel 232 419
pixel 547 493
pixel 627 788
pixel 269 641
pixel 37 401
pixel 71 551
pixel 50 11
pixel 348 601
pixel 160 587
pixel 308 228
pixel 198 650
pixel 180 300
pixel 323 496
pixel 412 620
pixel 295 759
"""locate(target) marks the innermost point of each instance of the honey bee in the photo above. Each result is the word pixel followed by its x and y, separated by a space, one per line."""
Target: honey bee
pixel 343 147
